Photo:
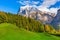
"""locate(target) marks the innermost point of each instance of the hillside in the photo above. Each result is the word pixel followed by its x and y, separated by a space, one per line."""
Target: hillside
pixel 26 23
pixel 12 32
pixel 21 21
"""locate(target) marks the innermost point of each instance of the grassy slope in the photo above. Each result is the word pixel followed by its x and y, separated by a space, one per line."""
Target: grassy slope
pixel 11 32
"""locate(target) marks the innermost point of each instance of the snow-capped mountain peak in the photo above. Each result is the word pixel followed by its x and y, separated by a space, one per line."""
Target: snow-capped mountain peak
pixel 35 13
pixel 27 8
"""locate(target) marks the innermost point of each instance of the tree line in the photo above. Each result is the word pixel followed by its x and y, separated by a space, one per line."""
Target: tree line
pixel 26 23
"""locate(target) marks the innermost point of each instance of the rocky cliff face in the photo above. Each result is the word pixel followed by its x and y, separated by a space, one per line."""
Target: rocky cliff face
pixel 32 12
pixel 56 20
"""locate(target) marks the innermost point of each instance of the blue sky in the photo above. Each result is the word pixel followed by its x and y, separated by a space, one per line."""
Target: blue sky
pixel 9 6
pixel 13 5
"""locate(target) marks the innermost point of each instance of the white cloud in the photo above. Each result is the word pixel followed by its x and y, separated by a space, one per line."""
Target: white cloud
pixel 24 2
pixel 46 4
pixel 35 2
pixel 28 2
pixel 53 10
pixel 21 3
pixel 43 7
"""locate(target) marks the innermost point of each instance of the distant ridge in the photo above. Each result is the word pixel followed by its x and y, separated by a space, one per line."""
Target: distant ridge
pixel 56 20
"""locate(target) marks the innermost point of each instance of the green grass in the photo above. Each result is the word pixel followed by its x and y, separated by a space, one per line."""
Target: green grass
pixel 12 32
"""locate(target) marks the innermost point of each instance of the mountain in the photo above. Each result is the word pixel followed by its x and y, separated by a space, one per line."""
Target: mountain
pixel 33 12
pixel 56 20
pixel 27 10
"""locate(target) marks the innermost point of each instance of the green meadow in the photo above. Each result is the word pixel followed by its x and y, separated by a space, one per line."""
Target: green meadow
pixel 11 32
